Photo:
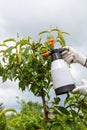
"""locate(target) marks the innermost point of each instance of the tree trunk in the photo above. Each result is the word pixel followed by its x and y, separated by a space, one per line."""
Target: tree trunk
pixel 44 105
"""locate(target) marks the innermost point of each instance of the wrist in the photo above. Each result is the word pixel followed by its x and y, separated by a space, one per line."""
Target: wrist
pixel 82 59
pixel 85 63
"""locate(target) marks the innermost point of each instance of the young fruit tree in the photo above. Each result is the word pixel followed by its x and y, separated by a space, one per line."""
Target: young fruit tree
pixel 27 61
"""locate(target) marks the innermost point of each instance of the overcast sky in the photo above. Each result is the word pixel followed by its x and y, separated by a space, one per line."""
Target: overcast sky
pixel 29 17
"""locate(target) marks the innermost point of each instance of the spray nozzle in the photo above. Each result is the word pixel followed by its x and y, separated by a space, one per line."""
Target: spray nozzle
pixel 55 53
pixel 46 54
pixel 52 42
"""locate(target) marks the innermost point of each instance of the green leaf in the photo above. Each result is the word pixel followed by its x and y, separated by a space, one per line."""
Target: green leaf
pixel 61 39
pixel 10 40
pixel 26 50
pixel 56 100
pixel 4 75
pixel 10 49
pixel 63 110
pixel 46 31
pixel 27 38
pixel 1 69
pixel 65 33
pixel 55 29
pixel 3 45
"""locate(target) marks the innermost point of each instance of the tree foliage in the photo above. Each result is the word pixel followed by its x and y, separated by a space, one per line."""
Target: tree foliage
pixel 22 60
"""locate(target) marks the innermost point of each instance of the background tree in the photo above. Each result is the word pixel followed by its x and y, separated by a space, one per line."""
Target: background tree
pixel 29 118
pixel 3 119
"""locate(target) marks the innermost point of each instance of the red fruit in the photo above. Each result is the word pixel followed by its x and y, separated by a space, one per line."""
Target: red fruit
pixel 46 54
pixel 52 41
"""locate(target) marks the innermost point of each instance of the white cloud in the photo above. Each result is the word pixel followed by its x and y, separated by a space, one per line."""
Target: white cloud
pixel 9 91
pixel 30 17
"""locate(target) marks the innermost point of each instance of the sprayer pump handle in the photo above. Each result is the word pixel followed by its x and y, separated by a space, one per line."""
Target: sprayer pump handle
pixel 62 49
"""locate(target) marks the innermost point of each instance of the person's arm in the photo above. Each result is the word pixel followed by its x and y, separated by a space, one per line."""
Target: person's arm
pixel 82 89
pixel 72 56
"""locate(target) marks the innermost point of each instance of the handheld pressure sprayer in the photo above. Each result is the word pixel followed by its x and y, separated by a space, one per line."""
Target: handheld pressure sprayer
pixel 60 72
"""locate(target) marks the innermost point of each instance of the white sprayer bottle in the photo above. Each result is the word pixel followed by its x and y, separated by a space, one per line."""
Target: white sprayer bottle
pixel 61 75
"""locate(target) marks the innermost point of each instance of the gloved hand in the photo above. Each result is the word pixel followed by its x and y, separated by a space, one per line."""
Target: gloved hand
pixel 72 56
pixel 81 89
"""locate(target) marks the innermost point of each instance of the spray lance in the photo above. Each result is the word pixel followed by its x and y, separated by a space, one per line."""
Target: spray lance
pixel 60 72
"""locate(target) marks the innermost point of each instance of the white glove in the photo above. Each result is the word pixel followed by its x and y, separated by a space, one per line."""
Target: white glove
pixel 72 56
pixel 81 89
